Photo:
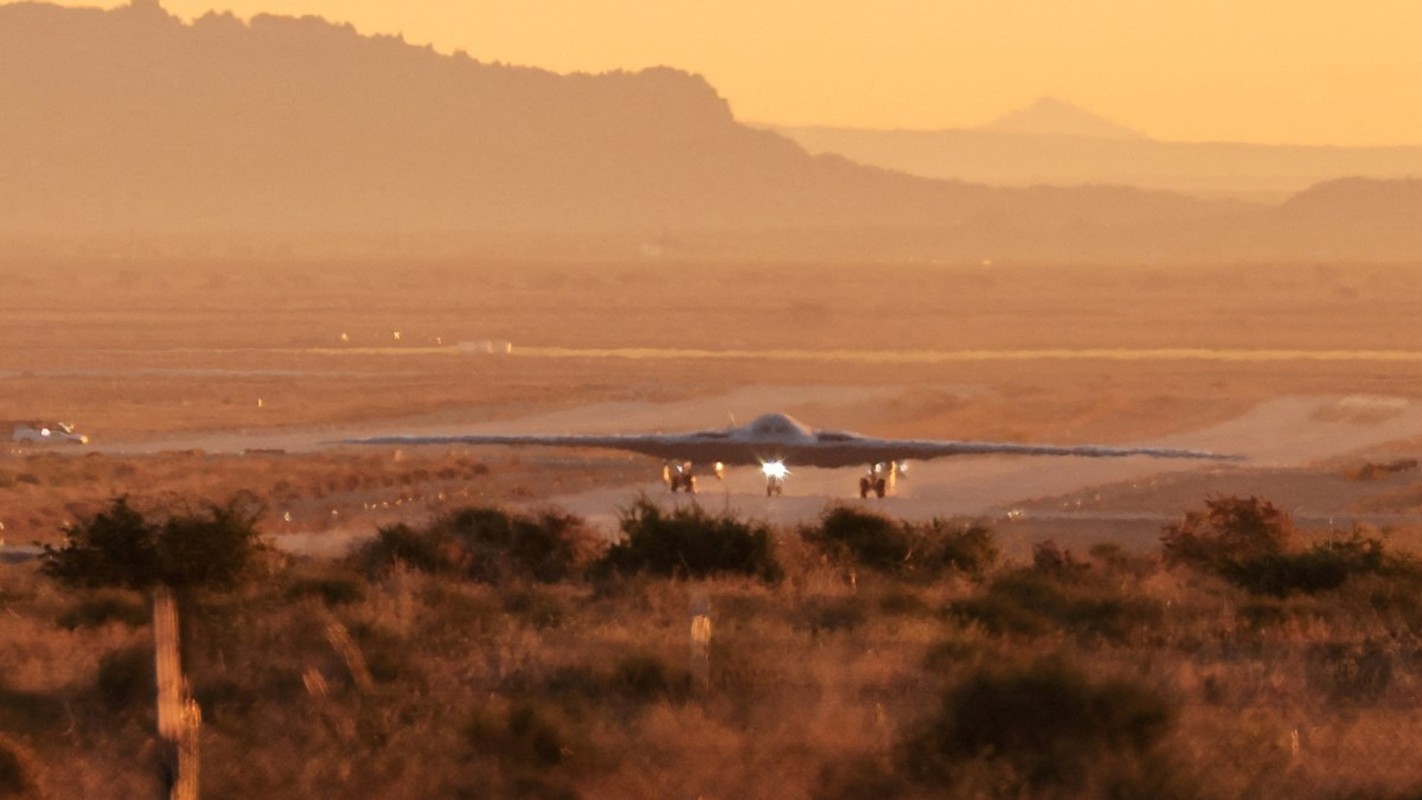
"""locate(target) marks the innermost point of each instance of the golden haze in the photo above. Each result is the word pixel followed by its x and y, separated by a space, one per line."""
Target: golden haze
pixel 1188 70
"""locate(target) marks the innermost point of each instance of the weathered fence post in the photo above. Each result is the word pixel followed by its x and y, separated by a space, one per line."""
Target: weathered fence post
pixel 179 718
pixel 701 639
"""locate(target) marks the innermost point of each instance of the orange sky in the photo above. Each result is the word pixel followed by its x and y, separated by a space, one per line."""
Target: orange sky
pixel 1299 72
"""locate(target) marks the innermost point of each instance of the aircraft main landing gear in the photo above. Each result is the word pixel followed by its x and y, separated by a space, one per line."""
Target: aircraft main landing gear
pixel 878 486
pixel 880 479
pixel 679 476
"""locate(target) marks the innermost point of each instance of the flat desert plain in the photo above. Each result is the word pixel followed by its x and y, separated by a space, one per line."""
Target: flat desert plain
pixel 196 380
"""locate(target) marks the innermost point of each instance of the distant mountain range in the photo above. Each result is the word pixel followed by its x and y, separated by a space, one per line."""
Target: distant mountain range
pixel 1055 143
pixel 131 126
pixel 1049 116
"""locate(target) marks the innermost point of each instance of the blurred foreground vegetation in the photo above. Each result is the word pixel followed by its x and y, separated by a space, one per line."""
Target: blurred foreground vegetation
pixel 489 653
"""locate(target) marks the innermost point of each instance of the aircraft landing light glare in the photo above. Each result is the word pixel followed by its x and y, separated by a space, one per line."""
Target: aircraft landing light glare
pixel 792 443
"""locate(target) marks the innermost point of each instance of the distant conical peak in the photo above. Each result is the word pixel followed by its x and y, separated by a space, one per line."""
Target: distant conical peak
pixel 1049 116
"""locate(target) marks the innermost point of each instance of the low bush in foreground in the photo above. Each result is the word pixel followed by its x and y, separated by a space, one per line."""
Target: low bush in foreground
pixel 121 547
pixel 487 544
pixel 1231 530
pixel 1035 602
pixel 104 607
pixel 689 542
pixel 1046 725
pixel 1251 544
pixel 18 772
pixel 851 536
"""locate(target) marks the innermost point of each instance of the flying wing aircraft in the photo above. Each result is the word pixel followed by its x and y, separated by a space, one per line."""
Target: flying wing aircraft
pixel 775 441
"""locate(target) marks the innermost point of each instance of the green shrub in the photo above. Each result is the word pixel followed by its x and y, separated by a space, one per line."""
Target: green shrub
pixel 430 550
pixel 1250 544
pixel 334 590
pixel 964 547
pixel 688 542
pixel 488 545
pixel 1032 602
pixel 644 678
pixel 899 602
pixel 852 536
pixel 18 771
pixel 126 679
pixel 116 547
pixel 636 679
pixel 211 551
pixel 820 614
pixel 1048 722
pixel 857 778
pixel 120 547
pixel 1230 530
pixel 1115 558
pixel 498 545
pixel 527 736
pixel 1282 574
pixel 541 609
pixel 100 609
pixel 31 712
pixel 1356 673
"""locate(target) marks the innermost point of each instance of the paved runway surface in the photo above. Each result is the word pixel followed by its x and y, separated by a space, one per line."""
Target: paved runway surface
pixel 1285 432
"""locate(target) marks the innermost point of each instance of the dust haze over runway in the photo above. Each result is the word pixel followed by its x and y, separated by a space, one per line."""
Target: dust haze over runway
pixel 1284 432
pixel 1287 365
pixel 1287 432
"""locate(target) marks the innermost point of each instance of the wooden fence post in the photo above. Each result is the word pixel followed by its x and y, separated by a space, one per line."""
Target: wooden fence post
pixel 179 718
pixel 701 640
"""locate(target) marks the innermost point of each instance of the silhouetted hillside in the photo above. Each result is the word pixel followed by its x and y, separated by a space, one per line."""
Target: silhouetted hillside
pixel 132 120
pixel 1350 218
pixel 131 125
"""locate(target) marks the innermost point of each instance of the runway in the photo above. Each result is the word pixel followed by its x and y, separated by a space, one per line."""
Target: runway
pixel 1286 433
pixel 926 357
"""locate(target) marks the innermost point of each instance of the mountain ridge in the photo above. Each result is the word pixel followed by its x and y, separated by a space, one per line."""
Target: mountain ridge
pixel 132 123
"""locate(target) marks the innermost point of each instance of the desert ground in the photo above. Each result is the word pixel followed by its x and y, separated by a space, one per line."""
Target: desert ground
pixel 218 376
pixel 830 675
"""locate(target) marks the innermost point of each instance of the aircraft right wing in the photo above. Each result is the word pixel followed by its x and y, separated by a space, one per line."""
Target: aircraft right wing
pixel 703 448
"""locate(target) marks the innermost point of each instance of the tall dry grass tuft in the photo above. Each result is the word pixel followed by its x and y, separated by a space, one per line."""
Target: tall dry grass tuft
pixel 830 682
pixel 20 772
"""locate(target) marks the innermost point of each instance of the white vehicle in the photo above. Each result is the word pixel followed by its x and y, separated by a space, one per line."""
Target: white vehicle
pixel 775 441
pixel 32 432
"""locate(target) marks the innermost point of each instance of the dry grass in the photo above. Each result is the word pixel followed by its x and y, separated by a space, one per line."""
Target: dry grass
pixel 130 349
pixel 321 492
pixel 817 683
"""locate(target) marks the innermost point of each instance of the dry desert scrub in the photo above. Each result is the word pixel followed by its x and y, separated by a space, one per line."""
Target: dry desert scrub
pixel 382 675
pixel 306 492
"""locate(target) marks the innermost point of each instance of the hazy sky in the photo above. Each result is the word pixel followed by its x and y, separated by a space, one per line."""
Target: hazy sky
pixel 1290 71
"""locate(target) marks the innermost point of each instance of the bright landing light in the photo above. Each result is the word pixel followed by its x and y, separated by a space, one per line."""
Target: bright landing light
pixel 774 469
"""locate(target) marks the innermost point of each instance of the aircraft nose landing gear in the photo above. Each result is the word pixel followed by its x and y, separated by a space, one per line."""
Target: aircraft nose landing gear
pixel 775 473
pixel 869 483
